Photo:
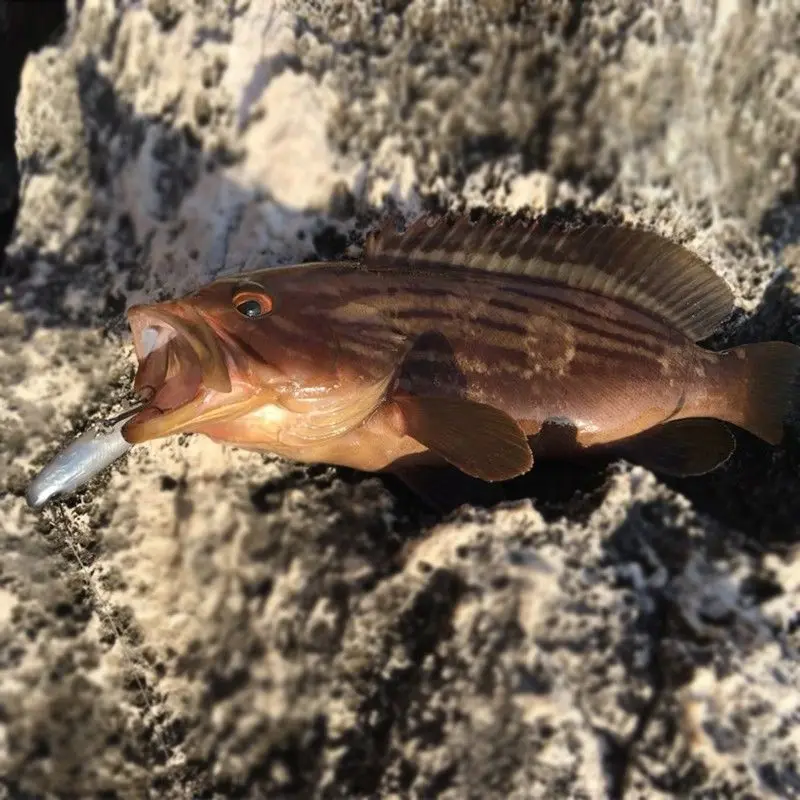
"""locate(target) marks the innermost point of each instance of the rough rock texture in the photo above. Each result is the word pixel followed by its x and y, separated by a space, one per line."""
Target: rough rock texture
pixel 206 622
pixel 23 28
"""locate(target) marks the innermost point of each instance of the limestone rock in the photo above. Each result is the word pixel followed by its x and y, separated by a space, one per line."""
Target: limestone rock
pixel 206 622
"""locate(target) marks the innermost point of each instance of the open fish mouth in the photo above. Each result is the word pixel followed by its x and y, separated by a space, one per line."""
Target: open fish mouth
pixel 182 371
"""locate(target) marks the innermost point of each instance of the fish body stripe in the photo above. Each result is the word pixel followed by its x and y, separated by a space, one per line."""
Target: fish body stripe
pixel 495 323
pixel 412 317
pixel 500 290
pixel 528 286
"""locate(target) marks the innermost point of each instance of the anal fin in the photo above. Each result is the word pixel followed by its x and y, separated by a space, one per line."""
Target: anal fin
pixel 480 440
pixel 682 448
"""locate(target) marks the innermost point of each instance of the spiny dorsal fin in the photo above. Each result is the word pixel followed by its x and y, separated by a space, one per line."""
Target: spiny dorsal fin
pixel 622 263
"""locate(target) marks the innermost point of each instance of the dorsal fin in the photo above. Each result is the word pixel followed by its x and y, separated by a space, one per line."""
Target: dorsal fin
pixel 627 264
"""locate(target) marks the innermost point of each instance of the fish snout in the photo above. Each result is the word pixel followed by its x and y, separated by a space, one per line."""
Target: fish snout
pixel 151 328
pixel 179 326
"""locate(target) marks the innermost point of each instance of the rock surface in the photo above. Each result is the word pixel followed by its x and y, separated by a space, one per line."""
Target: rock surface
pixel 22 30
pixel 204 622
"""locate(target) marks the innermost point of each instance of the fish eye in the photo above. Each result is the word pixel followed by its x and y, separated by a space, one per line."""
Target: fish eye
pixel 252 304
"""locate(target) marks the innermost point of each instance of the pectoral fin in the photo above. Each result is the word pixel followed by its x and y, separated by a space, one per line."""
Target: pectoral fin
pixel 682 448
pixel 480 440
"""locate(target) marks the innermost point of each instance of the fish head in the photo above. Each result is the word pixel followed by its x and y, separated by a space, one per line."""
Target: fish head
pixel 217 354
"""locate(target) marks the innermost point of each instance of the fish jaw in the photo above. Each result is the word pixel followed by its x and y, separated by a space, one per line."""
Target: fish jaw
pixel 205 409
pixel 155 326
pixel 186 374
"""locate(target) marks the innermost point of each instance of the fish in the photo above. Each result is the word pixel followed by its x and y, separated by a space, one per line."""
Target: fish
pixel 479 346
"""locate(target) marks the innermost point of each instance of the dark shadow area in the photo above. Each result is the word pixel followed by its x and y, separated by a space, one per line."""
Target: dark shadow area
pixel 180 162
pixel 24 27
pixel 561 488
pixel 560 485
pixel 756 491
pixel 781 222
pixel 389 691
pixel 558 488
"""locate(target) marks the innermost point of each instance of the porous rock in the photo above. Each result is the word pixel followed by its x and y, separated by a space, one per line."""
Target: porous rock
pixel 204 622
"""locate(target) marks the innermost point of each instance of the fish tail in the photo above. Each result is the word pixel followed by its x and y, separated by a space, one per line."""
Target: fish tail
pixel 759 387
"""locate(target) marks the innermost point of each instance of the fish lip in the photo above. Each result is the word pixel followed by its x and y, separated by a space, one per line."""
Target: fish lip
pixel 175 382
pixel 152 422
pixel 181 319
pixel 221 384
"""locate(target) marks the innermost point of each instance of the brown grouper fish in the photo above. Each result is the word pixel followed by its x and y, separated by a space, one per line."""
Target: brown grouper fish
pixel 479 345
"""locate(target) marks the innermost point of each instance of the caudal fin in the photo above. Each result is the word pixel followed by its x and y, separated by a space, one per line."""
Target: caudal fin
pixel 763 383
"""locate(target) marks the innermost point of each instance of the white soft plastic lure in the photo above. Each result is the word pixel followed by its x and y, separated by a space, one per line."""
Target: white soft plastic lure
pixel 85 458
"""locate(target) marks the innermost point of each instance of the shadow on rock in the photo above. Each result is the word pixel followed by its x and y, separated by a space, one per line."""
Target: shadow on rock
pixel 107 258
pixel 426 495
pixel 754 492
pixel 24 28
pixel 389 690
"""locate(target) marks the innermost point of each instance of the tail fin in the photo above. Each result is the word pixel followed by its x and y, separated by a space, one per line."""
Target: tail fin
pixel 761 382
